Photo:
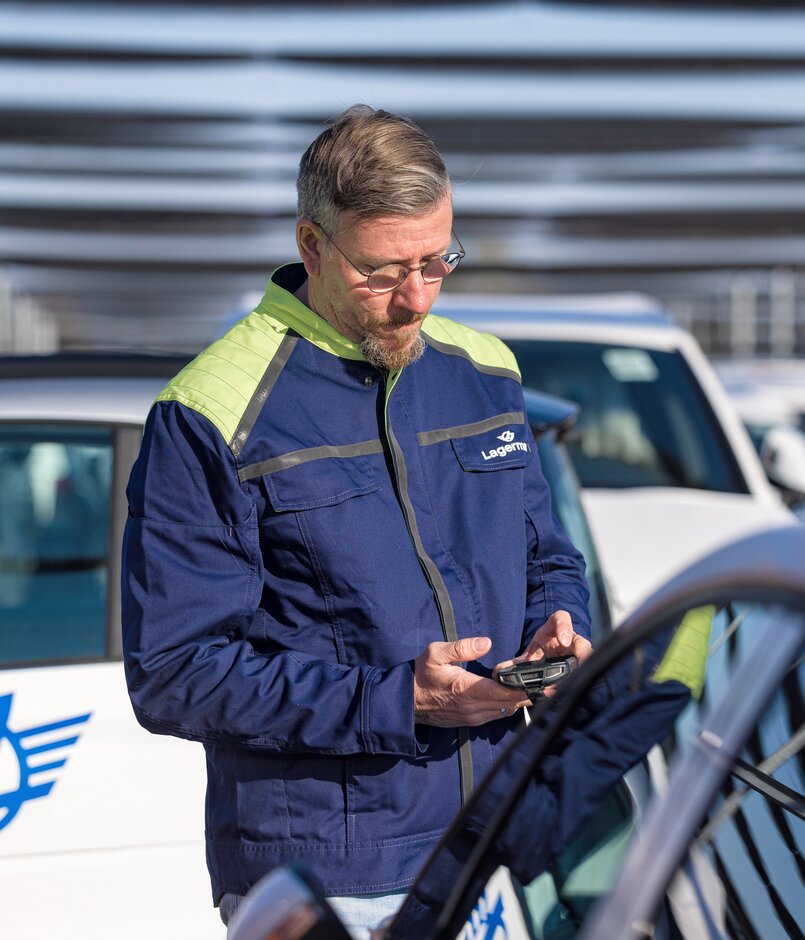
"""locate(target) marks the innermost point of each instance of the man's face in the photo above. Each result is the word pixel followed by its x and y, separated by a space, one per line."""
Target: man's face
pixel 385 325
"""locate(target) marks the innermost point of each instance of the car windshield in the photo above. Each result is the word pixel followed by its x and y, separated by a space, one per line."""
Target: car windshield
pixel 643 421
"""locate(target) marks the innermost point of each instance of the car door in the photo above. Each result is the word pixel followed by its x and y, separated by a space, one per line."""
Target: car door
pixel 700 693
pixel 100 823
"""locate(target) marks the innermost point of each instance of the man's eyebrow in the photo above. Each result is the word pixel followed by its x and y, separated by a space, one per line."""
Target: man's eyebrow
pixel 435 254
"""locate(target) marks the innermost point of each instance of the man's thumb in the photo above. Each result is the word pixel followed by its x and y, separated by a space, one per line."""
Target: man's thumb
pixel 462 651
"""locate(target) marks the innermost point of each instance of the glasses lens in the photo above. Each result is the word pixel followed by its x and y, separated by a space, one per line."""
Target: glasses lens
pixel 440 267
pixel 386 278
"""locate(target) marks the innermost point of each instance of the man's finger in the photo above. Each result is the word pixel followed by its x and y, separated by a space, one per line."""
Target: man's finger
pixel 526 657
pixel 494 694
pixel 460 651
pixel 562 627
pixel 506 711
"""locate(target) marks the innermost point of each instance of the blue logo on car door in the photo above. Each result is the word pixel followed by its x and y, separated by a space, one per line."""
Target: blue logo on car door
pixel 28 761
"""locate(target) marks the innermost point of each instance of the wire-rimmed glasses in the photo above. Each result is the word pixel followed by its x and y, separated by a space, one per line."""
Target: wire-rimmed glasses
pixel 388 277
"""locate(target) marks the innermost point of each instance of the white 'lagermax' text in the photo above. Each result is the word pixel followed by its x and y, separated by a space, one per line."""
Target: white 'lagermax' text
pixel 502 451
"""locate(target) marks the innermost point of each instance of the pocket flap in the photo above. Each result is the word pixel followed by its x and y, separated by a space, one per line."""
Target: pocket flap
pixel 500 449
pixel 326 481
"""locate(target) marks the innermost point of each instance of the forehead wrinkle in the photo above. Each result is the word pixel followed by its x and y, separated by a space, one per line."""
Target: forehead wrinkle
pixel 397 231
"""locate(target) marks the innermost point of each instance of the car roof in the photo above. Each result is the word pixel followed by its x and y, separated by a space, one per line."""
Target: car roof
pixel 116 388
pixel 94 400
pixel 628 318
pixel 93 365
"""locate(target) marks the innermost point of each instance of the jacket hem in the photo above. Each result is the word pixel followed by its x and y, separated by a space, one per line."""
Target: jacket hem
pixel 236 866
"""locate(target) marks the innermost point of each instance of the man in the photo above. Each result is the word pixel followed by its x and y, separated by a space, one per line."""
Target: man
pixel 336 506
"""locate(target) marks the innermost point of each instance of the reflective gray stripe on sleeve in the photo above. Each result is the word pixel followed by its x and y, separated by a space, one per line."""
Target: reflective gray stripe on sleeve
pixel 451 350
pixel 434 576
pixel 296 457
pixel 469 430
pixel 261 393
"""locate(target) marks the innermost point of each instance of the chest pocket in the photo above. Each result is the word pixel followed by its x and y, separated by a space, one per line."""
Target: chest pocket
pixel 500 449
pixel 293 484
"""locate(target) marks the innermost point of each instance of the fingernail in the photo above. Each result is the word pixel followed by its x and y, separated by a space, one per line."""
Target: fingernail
pixel 480 643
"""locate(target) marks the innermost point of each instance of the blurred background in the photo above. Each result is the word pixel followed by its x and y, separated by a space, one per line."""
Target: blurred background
pixel 148 154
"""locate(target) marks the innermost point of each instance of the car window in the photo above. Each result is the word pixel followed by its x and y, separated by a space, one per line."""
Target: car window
pixel 567 506
pixel 644 421
pixel 54 542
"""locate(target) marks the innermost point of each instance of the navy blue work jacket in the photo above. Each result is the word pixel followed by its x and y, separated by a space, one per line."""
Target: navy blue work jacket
pixel 301 526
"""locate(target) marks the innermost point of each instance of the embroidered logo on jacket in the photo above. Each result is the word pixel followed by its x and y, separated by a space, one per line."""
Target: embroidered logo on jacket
pixel 506 448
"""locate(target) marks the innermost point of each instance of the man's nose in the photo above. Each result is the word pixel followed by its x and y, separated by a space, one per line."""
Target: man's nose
pixel 414 293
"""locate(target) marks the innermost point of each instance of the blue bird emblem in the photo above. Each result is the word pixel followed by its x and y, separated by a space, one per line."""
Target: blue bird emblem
pixel 33 777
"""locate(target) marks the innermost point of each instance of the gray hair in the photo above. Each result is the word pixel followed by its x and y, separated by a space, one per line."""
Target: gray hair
pixel 372 163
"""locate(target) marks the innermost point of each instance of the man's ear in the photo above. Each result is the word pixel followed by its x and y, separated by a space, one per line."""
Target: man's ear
pixel 309 243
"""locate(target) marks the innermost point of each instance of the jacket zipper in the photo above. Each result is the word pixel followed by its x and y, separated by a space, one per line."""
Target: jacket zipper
pixel 432 573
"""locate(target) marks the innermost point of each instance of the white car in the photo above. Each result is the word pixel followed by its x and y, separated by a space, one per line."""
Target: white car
pixel 765 391
pixel 769 395
pixel 101 824
pixel 667 469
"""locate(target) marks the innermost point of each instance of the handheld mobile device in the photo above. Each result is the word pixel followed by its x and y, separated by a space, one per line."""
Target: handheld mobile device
pixel 533 677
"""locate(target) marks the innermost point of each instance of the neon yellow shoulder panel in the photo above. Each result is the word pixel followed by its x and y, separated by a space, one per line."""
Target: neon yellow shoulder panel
pixel 220 382
pixel 483 349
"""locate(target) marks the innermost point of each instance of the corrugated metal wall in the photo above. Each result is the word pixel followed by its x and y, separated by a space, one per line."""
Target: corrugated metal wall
pixel 148 155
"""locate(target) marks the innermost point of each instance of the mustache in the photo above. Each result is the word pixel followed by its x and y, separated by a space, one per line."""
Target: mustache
pixel 404 317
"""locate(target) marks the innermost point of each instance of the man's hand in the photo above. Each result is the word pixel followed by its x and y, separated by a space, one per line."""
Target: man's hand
pixel 448 696
pixel 556 637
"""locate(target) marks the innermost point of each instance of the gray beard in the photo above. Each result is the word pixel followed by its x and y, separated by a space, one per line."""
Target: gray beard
pixel 391 359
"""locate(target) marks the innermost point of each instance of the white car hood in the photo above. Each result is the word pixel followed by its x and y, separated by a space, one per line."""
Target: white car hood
pixel 645 536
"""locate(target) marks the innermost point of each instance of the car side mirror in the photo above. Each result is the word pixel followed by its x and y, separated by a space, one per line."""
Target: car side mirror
pixel 783 457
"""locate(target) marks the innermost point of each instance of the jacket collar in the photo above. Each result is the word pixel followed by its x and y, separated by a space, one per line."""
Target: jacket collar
pixel 279 302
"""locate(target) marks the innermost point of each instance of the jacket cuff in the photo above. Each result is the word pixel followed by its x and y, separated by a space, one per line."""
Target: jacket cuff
pixel 578 614
pixel 387 711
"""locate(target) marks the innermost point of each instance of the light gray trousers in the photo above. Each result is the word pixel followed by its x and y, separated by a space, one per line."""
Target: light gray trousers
pixel 359 913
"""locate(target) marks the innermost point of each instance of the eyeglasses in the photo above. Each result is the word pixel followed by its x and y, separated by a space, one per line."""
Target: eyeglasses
pixel 388 277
